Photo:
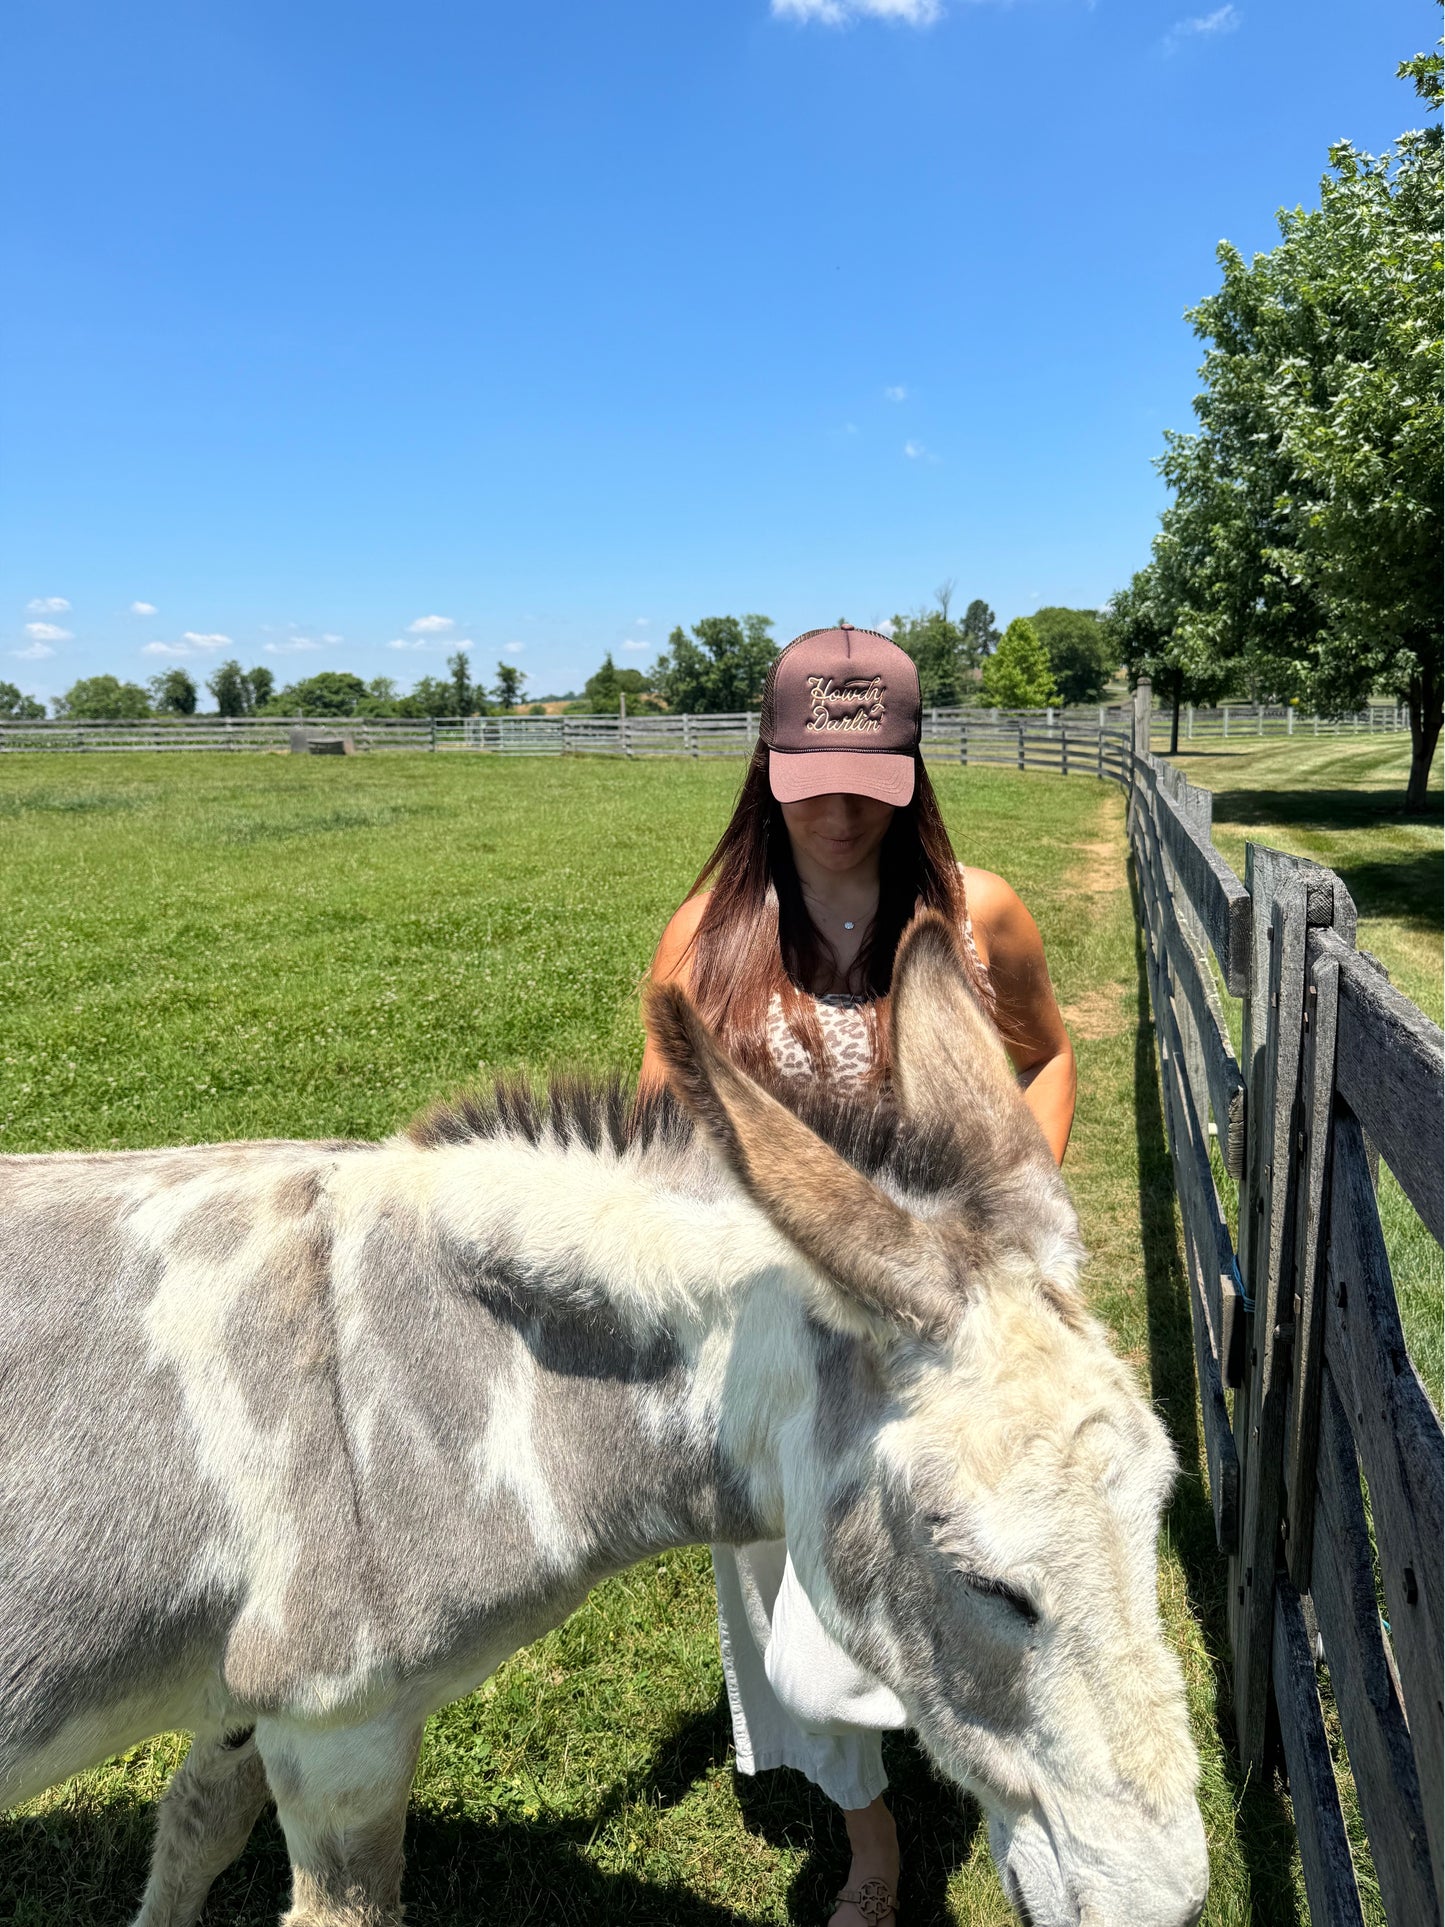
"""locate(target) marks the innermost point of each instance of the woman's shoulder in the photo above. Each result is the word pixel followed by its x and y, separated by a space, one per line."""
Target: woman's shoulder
pixel 989 896
pixel 672 956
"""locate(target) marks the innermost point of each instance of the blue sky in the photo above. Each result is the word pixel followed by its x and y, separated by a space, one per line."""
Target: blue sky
pixel 326 326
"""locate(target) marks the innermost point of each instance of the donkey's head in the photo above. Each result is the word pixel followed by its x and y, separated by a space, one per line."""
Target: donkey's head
pixel 973 1499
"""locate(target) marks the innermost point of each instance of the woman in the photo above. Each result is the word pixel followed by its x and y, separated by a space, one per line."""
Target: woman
pixel 835 842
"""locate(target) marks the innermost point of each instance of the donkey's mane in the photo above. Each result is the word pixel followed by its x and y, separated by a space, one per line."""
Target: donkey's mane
pixel 606 1115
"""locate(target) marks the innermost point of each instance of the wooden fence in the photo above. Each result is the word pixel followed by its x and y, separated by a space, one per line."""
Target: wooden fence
pixel 1072 742
pixel 1312 1409
pixel 1241 722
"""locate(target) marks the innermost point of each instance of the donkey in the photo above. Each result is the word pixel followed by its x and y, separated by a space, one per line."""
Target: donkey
pixel 301 1441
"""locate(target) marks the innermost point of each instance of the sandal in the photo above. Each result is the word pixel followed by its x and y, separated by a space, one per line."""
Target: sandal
pixel 875 1900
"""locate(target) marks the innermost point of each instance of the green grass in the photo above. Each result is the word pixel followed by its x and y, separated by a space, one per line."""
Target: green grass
pixel 1338 801
pixel 243 946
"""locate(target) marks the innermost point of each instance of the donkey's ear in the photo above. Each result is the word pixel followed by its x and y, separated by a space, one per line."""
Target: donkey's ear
pixel 952 1073
pixel 886 1268
pixel 949 1064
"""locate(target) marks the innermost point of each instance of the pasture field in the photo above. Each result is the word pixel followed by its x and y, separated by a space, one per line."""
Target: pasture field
pixel 243 946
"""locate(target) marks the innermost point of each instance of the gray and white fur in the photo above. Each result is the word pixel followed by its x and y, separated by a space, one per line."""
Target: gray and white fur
pixel 301 1441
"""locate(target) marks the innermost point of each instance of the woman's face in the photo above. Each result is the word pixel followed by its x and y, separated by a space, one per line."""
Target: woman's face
pixel 836 832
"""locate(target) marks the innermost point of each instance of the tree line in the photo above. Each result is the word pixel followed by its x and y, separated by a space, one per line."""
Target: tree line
pixel 1057 655
pixel 1299 559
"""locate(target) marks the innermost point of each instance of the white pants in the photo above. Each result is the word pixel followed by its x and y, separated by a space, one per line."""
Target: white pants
pixel 796 1698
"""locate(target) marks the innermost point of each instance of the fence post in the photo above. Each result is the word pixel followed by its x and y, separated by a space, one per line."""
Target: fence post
pixel 1063 749
pixel 963 739
pixel 1287 899
pixel 622 721
pixel 1101 752
pixel 1021 745
pixel 1226 721
pixel 1143 709
pixel 749 715
pixel 1289 722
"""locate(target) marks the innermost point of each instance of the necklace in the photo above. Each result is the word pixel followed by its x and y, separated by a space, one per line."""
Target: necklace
pixel 849 923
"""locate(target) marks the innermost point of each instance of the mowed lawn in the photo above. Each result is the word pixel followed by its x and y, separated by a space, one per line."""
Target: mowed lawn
pixel 1338 800
pixel 214 947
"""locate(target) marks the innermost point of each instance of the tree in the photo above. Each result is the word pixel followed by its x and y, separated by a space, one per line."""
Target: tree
pixel 1080 652
pixel 430 697
pixel 173 693
pixel 228 684
pixel 1301 552
pixel 683 675
pixel 259 684
pixel 720 667
pixel 938 650
pixel 1017 674
pixel 507 690
pixel 602 689
pixel 380 698
pixel 464 696
pixel 331 692
pixel 103 699
pixel 979 632
pixel 16 707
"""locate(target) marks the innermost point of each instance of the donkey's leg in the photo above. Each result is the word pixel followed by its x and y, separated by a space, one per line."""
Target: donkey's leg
pixel 205 1818
pixel 341 1795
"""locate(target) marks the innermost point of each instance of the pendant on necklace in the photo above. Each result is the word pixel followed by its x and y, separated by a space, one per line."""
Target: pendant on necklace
pixel 847 926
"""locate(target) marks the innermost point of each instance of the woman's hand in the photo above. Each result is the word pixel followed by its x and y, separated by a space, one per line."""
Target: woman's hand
pixel 1028 1013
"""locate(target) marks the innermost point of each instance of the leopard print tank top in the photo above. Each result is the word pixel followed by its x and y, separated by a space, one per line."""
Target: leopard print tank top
pixel 847 1047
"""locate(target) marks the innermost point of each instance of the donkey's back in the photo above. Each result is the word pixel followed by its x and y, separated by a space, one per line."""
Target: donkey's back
pixel 140 1297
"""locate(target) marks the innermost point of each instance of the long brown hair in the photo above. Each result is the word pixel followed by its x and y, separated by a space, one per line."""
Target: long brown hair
pixel 755 937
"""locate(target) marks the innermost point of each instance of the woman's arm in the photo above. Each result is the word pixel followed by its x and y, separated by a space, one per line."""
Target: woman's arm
pixel 1028 1014
pixel 672 964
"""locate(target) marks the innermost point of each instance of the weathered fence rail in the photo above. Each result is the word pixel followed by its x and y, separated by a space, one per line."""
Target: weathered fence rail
pixel 990 735
pixel 1072 742
pixel 1309 1399
pixel 1239 722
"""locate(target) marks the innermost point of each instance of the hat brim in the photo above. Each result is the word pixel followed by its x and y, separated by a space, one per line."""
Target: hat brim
pixel 794 775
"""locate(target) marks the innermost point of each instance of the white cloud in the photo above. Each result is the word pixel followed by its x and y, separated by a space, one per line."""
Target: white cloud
pixel 48 605
pixel 516 648
pixel 885 627
pixel 915 451
pixel 142 608
pixel 404 642
pixel 900 393
pixel 215 641
pixel 637 645
pixel 292 647
pixel 1223 20
pixel 37 652
pixel 837 13
pixel 46 632
pixel 167 649
pixel 327 636
pixel 642 622
pixel 430 625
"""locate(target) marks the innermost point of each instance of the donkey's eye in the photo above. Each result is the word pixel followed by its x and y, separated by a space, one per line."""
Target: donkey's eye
pixel 1000 1589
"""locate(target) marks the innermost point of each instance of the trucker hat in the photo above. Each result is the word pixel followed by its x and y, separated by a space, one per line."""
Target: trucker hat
pixel 841 712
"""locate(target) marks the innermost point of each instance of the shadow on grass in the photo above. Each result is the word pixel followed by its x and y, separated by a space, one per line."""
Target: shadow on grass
pixel 936 1829
pixel 88 1869
pixel 1263 1825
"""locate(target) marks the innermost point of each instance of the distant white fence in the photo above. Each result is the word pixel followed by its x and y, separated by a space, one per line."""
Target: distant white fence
pixel 1024 739
pixel 1092 741
pixel 1231 722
